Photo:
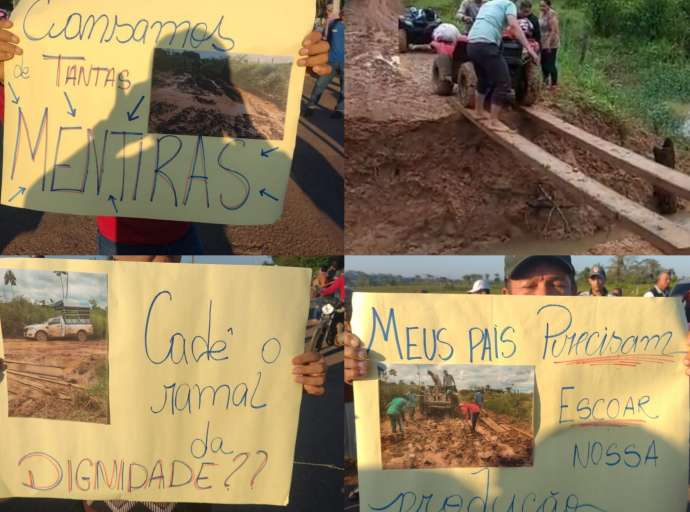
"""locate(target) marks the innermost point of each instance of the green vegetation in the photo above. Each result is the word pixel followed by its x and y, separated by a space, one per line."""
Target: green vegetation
pixel 91 405
pixel 501 401
pixel 633 275
pixel 20 312
pixel 267 80
pixel 626 62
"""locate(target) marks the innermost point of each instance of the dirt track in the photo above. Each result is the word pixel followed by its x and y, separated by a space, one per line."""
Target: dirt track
pixel 449 442
pixel 420 179
pixel 79 364
pixel 179 106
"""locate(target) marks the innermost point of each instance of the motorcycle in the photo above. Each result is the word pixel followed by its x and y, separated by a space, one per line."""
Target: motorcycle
pixel 329 331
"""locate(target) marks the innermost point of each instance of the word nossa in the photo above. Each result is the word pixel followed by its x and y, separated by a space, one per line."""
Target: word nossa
pixel 144 176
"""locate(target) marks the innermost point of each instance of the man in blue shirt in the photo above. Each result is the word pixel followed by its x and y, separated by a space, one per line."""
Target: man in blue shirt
pixel 484 50
pixel 336 59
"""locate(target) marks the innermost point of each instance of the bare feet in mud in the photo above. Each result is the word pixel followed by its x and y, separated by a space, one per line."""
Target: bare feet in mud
pixel 499 127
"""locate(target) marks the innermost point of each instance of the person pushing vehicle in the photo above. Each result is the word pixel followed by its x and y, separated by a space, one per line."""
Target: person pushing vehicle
pixel 484 50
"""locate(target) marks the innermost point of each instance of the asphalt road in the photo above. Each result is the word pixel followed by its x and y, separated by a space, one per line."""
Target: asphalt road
pixel 311 224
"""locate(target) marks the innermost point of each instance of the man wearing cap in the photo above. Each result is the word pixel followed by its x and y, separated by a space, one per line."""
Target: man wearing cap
pixel 524 275
pixel 481 287
pixel 597 282
pixel 662 288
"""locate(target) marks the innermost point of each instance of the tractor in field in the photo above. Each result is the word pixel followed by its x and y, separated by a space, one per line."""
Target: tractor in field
pixel 453 66
pixel 416 27
pixel 73 321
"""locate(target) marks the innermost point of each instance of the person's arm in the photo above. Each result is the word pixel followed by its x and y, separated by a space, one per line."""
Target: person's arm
pixel 520 36
pixel 649 295
pixel 309 370
pixel 8 46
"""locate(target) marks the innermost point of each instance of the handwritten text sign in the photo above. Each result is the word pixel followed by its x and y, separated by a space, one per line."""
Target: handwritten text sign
pixel 163 109
pixel 611 400
pixel 203 406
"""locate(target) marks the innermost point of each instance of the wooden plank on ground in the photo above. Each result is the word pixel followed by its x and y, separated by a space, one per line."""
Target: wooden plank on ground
pixel 657 174
pixel 492 424
pixel 663 233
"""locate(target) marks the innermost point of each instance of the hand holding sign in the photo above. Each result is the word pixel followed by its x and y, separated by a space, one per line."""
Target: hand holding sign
pixel 8 46
pixel 201 382
pixel 610 424
pixel 151 111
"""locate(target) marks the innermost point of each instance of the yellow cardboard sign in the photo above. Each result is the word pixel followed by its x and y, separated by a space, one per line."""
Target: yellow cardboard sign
pixel 173 382
pixel 610 402
pixel 160 109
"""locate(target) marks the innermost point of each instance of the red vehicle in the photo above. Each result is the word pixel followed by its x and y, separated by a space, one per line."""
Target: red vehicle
pixel 452 66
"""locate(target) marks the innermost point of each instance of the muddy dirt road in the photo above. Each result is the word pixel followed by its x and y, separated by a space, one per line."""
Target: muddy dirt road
pixel 32 394
pixel 179 106
pixel 420 179
pixel 449 442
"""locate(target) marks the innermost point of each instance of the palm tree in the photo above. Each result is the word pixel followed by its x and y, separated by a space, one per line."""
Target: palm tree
pixel 10 279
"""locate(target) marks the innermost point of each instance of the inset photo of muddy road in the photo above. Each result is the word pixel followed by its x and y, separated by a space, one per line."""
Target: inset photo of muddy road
pixel 55 336
pixel 454 416
pixel 583 147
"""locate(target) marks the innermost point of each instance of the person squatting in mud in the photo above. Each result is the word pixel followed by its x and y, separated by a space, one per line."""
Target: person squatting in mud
pixel 484 50
pixel 119 235
pixel 395 409
pixel 470 410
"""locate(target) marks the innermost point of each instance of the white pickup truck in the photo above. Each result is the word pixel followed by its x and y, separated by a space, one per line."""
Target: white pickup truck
pixel 58 328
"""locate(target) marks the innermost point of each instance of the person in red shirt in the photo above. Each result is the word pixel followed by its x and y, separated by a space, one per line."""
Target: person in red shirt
pixel 126 236
pixel 337 286
pixel 471 411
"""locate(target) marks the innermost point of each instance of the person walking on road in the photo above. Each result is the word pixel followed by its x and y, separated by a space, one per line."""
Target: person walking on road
pixel 484 50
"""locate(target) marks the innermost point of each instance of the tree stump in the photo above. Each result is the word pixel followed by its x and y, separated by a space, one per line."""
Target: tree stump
pixel 665 202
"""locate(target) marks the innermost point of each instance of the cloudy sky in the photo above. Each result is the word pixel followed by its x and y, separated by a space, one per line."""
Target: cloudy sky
pixel 521 378
pixel 45 285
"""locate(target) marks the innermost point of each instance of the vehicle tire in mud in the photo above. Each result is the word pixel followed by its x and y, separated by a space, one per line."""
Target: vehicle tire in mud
pixel 41 336
pixel 467 84
pixel 82 336
pixel 442 75
pixel 402 41
pixel 533 85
